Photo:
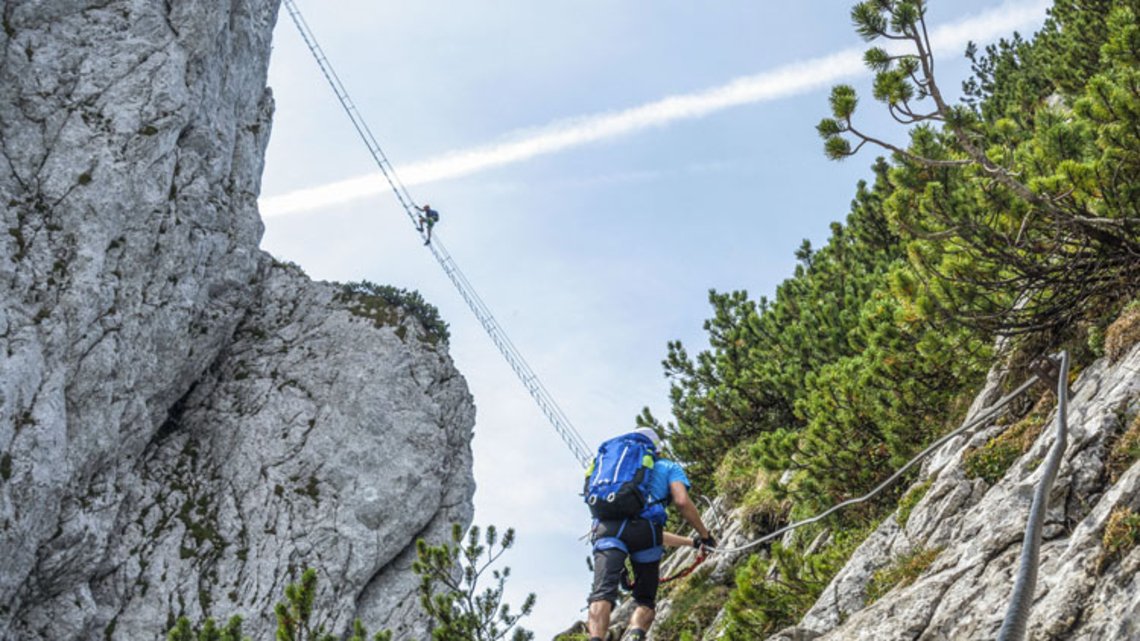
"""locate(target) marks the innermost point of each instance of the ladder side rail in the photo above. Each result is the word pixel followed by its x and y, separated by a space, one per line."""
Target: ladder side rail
pixel 515 358
pixel 349 106
pixel 511 353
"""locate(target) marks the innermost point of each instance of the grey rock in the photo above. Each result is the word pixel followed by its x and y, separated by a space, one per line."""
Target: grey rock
pixel 185 424
pixel 965 592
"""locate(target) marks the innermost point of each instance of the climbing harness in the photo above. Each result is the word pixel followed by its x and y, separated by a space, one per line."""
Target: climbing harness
pixel 614 541
pixel 558 419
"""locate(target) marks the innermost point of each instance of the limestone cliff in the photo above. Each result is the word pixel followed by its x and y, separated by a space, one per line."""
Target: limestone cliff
pixel 183 421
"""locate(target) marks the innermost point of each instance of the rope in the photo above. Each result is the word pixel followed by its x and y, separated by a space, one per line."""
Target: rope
pixel 985 416
pixel 558 419
pixel 626 581
pixel 701 556
pixel 1016 617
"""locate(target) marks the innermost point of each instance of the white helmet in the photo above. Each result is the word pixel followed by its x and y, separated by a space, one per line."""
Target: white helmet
pixel 649 431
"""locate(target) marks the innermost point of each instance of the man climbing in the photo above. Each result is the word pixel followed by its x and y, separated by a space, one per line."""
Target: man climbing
pixel 617 535
pixel 429 218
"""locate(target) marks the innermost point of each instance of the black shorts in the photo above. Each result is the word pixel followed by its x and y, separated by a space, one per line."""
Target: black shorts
pixel 609 564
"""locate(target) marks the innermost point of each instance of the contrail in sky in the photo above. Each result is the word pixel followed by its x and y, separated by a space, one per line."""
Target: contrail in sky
pixel 782 82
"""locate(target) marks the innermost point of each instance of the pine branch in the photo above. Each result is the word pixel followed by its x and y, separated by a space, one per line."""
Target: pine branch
pixel 929 162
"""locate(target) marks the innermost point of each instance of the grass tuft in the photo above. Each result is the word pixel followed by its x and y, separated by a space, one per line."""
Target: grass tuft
pixel 904 571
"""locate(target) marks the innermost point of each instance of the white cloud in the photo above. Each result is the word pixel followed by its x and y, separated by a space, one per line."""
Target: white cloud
pixel 987 26
pixel 788 80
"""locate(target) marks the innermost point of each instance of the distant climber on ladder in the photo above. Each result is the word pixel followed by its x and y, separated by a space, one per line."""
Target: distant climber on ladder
pixel 429 218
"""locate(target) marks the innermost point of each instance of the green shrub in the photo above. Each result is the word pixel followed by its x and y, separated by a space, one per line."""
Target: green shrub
pixel 741 482
pixel 208 631
pixel 1124 452
pixel 384 305
pixel 758 606
pixel 295 614
pixel 911 499
pixel 294 620
pixel 1123 333
pixel 902 572
pixel 990 461
pixel 449 590
pixel 462 610
pixel 859 358
pixel 1096 340
pixel 695 603
pixel 736 474
pixel 761 510
pixel 1121 534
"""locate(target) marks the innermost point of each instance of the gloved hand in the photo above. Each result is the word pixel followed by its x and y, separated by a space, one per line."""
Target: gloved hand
pixel 708 542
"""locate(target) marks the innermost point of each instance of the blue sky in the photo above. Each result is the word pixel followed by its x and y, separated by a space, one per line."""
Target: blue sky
pixel 592 255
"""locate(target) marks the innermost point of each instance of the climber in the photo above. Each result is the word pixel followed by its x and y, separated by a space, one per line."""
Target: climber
pixel 429 219
pixel 640 535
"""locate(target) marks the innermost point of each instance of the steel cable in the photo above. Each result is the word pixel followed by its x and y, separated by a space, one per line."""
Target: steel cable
pixel 1017 616
pixel 989 413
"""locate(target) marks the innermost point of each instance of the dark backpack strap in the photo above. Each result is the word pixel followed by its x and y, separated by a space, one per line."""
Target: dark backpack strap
pixel 621 530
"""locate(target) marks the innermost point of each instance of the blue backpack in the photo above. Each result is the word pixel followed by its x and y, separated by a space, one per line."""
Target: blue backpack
pixel 617 481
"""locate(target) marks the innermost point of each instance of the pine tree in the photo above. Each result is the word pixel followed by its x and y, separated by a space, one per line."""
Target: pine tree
pixel 1020 211
pixel 449 587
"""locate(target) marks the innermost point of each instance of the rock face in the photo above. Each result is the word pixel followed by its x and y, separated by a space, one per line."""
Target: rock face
pixel 977 531
pixel 185 423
